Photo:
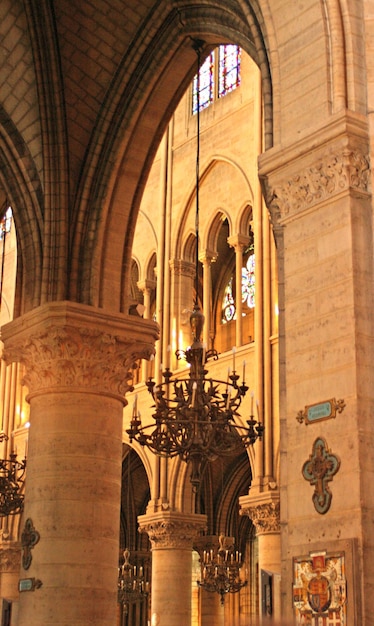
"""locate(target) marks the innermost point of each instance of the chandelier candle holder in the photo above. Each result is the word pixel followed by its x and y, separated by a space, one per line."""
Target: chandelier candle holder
pixel 220 570
pixel 195 418
pixel 12 473
pixel 132 585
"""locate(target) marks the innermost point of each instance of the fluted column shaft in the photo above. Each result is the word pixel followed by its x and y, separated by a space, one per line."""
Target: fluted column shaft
pixel 77 362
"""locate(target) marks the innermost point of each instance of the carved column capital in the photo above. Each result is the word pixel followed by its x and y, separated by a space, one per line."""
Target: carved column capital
pixel 66 346
pixel 10 558
pixel 238 241
pixel 207 257
pixel 182 268
pixel 172 530
pixel 332 160
pixel 263 510
pixel 146 285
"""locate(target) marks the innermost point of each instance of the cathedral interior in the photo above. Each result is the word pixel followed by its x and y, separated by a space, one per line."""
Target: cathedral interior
pixel 186 297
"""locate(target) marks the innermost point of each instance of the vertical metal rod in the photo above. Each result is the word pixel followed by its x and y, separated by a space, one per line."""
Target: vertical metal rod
pixel 197 47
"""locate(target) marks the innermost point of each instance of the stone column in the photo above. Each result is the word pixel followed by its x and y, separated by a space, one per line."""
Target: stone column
pixel 77 361
pixel 264 511
pixel 238 242
pixel 207 258
pixel 10 557
pixel 172 537
pixel 146 286
pixel 183 274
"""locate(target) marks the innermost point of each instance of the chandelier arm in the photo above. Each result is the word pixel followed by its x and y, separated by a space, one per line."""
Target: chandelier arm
pixel 12 473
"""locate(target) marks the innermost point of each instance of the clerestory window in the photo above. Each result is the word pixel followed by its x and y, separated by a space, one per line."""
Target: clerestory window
pixel 218 76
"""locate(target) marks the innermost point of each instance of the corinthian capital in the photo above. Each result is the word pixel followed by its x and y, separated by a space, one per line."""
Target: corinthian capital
pixel 10 559
pixel 171 529
pixel 264 511
pixel 70 346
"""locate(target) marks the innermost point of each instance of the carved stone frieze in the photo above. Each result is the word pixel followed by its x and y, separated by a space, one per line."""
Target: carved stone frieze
pixel 265 516
pixel 10 558
pixel 332 174
pixel 172 531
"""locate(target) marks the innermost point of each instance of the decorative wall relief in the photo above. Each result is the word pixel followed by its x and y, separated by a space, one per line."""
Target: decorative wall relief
pixel 349 169
pixel 319 589
pixel 319 470
pixel 29 539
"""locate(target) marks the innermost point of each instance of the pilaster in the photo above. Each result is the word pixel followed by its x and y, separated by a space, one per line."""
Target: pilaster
pixel 319 197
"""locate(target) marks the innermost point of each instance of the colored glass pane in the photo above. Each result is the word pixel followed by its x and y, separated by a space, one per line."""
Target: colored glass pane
pixel 229 69
pixel 6 222
pixel 206 85
pixel 228 304
pixel 248 282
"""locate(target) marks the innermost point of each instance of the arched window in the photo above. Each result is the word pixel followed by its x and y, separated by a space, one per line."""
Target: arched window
pixel 6 222
pixel 248 280
pixel 247 288
pixel 229 69
pixel 228 304
pixel 218 76
pixel 206 85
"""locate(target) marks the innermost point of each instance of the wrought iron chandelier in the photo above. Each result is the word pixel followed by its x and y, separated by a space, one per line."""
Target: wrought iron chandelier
pixel 195 416
pixel 132 585
pixel 220 570
pixel 12 474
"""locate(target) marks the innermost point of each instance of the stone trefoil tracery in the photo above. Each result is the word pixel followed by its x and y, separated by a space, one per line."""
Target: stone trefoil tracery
pixel 327 177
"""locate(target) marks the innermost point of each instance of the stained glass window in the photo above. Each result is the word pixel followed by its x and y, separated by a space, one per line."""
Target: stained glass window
pixel 228 304
pixel 248 292
pixel 206 84
pixel 6 222
pixel 222 66
pixel 248 282
pixel 229 69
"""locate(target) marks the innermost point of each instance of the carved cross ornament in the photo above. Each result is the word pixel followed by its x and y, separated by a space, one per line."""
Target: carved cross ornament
pixel 29 539
pixel 319 470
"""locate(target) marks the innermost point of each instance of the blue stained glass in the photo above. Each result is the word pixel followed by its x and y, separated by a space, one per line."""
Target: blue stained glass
pixel 229 69
pixel 206 85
